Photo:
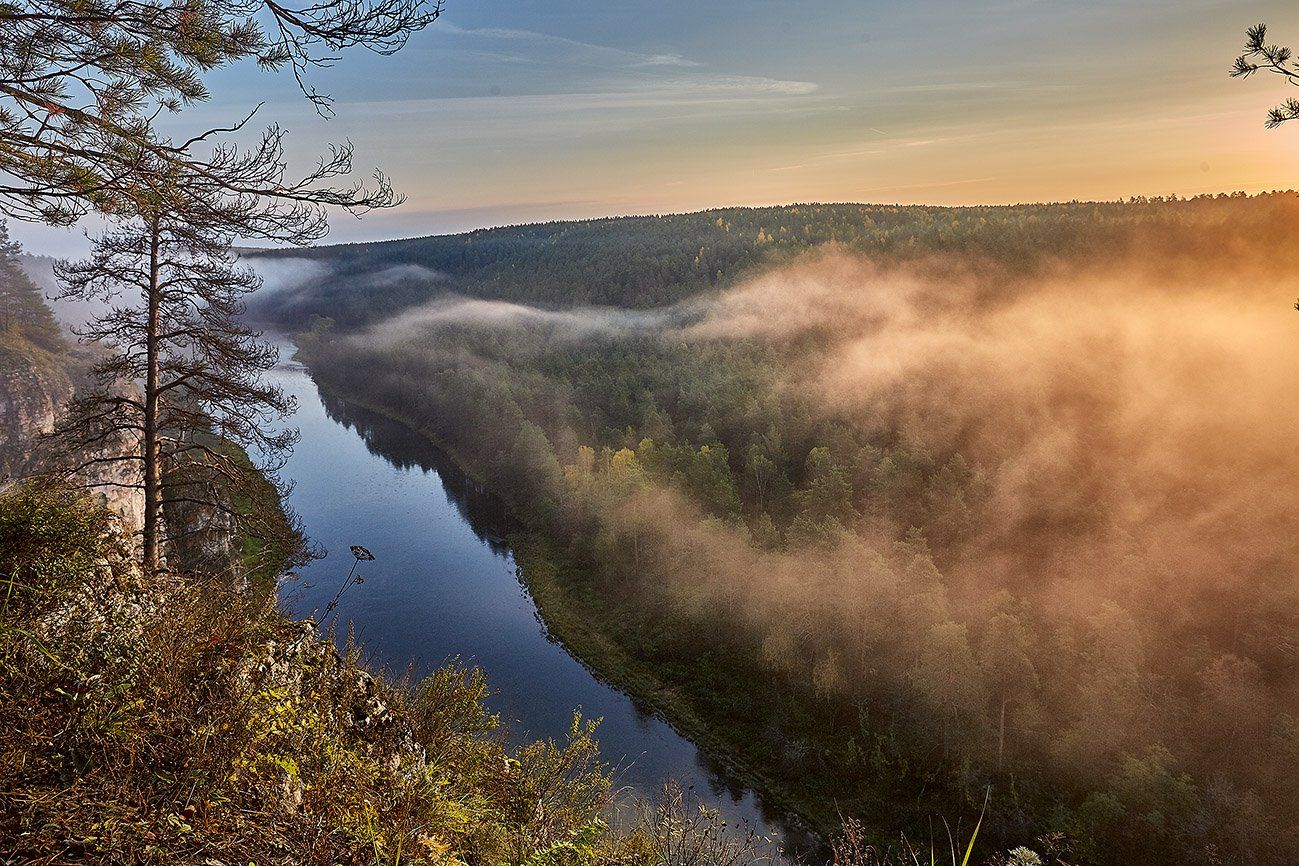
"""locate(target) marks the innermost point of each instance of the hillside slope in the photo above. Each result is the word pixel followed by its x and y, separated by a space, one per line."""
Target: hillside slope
pixel 34 386
pixel 656 261
pixel 169 719
pixel 909 527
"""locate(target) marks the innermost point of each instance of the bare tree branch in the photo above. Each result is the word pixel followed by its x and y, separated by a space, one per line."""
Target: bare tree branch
pixel 82 81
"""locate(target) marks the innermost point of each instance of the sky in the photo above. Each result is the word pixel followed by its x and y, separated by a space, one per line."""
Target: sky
pixel 509 111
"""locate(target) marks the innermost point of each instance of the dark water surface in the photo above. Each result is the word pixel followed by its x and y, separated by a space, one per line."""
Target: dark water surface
pixel 443 586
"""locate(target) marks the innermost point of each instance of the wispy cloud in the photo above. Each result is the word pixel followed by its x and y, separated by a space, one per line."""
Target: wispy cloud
pixel 667 60
pixel 731 85
pixel 648 98
pixel 588 75
pixel 574 50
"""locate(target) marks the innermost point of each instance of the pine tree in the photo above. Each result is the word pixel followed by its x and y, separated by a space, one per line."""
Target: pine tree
pixel 183 378
pixel 22 308
pixel 1277 59
pixel 81 82
pixel 1006 658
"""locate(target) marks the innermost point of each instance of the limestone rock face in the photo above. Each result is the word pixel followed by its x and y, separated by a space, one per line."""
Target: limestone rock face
pixel 208 543
pixel 33 390
pixel 35 386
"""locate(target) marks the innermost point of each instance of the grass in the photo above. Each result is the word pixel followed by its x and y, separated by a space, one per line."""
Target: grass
pixel 163 719
pixel 156 719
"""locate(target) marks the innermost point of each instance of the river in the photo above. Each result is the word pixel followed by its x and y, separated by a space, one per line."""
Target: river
pixel 443 586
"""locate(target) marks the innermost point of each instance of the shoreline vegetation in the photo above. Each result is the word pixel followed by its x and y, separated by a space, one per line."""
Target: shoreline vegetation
pixel 150 718
pixel 898 539
pixel 568 614
pixel 908 504
pixel 571 611
pixel 153 717
pixel 901 513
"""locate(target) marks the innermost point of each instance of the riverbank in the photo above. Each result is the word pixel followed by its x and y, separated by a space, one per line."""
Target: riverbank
pixel 574 616
pixel 570 609
pixel 446 585
pixel 152 719
pixel 653 526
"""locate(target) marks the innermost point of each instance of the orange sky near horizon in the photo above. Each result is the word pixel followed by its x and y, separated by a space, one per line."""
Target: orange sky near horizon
pixel 513 111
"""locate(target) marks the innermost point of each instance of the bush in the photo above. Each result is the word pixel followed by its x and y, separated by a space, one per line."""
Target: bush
pixel 161 719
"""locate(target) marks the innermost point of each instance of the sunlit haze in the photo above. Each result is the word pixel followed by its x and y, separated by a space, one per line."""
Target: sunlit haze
pixel 828 433
pixel 512 112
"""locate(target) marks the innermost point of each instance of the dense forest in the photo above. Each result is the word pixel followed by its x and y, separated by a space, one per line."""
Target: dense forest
pixel 653 261
pixel 909 504
pixel 162 718
pixel 23 312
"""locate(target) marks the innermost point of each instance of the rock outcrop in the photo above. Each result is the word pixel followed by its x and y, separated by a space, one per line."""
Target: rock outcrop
pixel 35 386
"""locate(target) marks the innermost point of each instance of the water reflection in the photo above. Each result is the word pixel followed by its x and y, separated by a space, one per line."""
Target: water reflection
pixel 445 586
pixel 405 449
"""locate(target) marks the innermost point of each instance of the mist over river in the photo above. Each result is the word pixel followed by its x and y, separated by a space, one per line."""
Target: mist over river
pixel 444 585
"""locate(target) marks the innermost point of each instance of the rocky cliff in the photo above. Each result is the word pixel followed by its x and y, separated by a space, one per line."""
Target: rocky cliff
pixel 35 386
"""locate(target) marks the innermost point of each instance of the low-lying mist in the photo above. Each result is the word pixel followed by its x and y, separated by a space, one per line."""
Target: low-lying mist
pixel 1106 404
pixel 563 324
pixel 1137 437
pixel 1091 582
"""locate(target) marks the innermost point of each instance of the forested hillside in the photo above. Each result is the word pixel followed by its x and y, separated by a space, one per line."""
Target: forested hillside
pixel 181 716
pixel 653 261
pixel 970 500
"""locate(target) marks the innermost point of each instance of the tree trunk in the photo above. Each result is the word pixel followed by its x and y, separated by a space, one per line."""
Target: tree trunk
pixel 635 536
pixel 152 447
pixel 1001 734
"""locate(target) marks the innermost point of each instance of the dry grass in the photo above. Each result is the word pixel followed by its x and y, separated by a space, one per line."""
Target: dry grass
pixel 167 720
pixel 170 719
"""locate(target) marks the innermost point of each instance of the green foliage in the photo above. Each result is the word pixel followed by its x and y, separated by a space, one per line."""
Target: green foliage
pixel 654 261
pixel 828 494
pixel 52 540
pixel 809 584
pixel 946 678
pixel 709 480
pixel 22 309
pixel 148 719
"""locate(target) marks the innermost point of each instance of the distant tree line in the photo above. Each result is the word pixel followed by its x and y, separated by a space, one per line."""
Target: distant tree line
pixel 802 573
pixel 653 261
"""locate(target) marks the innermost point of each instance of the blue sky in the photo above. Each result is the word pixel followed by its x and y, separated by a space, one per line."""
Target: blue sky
pixel 520 111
